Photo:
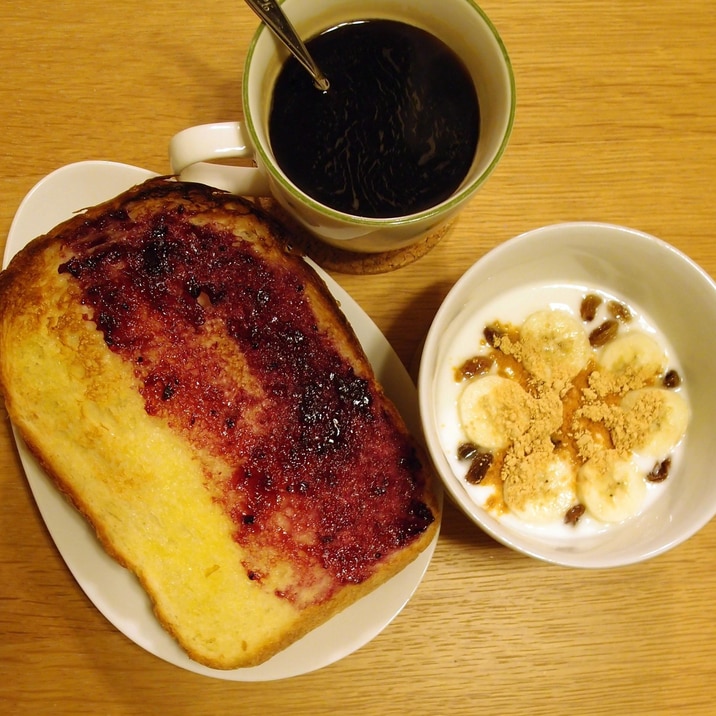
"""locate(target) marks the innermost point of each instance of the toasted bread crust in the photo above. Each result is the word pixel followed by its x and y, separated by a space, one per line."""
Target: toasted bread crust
pixel 168 488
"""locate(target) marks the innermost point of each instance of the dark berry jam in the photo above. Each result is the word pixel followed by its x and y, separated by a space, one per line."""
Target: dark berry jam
pixel 318 471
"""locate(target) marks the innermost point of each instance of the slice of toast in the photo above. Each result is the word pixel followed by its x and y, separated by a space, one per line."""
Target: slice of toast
pixel 194 389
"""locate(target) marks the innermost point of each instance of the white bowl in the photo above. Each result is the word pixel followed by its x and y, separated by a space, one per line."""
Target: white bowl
pixel 678 297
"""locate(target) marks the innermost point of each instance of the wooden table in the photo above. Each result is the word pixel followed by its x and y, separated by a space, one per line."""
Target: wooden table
pixel 616 122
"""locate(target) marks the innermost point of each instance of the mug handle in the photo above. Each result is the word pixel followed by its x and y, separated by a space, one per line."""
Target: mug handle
pixel 192 149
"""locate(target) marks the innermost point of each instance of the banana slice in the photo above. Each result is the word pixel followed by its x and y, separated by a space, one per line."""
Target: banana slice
pixel 657 418
pixel 555 345
pixel 635 356
pixel 611 488
pixel 543 491
pixel 494 411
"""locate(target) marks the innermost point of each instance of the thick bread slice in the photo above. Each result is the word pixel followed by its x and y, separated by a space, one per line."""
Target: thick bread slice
pixel 194 389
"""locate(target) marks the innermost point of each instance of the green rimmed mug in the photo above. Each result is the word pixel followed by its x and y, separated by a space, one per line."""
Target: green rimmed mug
pixel 460 24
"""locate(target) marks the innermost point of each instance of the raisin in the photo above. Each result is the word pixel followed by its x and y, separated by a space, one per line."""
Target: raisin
pixel 466 451
pixel 660 471
pixel 573 514
pixel 478 468
pixel 478 365
pixel 672 379
pixel 588 308
pixel 603 333
pixel 493 333
pixel 620 311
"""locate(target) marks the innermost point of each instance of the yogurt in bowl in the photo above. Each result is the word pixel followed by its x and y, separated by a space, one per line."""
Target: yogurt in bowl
pixel 568 486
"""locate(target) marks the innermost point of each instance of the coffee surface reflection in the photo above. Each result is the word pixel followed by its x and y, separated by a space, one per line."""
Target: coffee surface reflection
pixel 395 134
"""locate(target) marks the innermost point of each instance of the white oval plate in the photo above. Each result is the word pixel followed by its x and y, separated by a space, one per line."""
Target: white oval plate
pixel 113 589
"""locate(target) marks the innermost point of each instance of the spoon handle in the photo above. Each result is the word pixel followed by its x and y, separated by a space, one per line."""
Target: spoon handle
pixel 272 14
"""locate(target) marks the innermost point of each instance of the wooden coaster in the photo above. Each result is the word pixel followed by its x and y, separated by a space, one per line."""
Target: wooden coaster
pixel 332 258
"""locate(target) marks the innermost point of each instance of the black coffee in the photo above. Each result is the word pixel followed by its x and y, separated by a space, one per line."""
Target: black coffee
pixel 395 133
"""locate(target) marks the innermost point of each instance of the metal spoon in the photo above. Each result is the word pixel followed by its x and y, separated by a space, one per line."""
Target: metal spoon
pixel 272 14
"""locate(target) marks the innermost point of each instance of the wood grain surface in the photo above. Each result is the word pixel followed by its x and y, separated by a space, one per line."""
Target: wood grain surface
pixel 616 122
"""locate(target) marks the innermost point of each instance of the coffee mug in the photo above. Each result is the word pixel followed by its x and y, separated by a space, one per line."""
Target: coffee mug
pixel 460 24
